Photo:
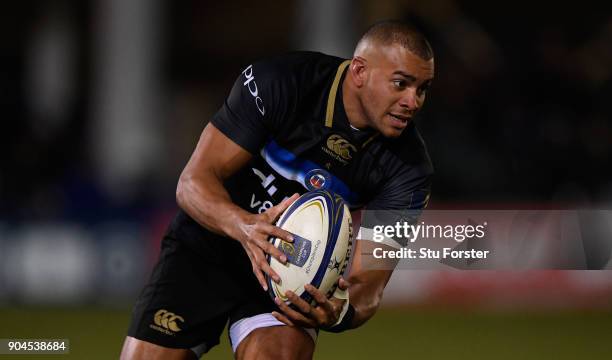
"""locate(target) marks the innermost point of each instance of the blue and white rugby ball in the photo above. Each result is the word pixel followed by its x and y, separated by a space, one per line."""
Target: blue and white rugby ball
pixel 321 224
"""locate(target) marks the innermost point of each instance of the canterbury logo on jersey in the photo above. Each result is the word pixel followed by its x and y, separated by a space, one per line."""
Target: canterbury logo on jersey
pixel 340 147
pixel 166 322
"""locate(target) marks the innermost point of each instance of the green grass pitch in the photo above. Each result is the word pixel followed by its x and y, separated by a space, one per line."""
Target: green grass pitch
pixel 96 333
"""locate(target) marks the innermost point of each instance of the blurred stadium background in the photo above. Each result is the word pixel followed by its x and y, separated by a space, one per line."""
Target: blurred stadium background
pixel 102 102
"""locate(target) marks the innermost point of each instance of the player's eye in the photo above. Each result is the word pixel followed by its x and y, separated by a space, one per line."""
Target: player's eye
pixel 400 84
pixel 423 89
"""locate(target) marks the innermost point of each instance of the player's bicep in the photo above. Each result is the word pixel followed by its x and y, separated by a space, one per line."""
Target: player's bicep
pixel 216 155
pixel 363 260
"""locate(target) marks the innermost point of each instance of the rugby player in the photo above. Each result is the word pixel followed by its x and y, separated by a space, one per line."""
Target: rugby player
pixel 290 124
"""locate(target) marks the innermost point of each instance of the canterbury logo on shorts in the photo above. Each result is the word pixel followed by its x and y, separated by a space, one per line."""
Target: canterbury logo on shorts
pixel 166 322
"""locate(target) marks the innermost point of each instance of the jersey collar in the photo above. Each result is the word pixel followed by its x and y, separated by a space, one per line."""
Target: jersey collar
pixel 335 110
pixel 331 100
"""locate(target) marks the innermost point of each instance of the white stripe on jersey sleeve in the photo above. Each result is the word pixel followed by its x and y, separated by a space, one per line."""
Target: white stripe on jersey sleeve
pixel 367 234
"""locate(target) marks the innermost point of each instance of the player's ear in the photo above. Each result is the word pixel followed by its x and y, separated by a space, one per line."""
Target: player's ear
pixel 358 70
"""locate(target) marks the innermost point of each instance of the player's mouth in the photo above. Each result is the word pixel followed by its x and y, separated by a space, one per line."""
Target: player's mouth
pixel 399 121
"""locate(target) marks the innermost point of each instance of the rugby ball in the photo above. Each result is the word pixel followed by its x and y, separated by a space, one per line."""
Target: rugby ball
pixel 321 226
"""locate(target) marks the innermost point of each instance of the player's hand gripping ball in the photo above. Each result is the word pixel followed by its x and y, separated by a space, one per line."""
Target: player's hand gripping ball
pixel 321 224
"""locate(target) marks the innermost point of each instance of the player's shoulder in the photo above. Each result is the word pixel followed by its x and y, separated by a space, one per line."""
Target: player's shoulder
pixel 407 171
pixel 298 66
pixel 410 150
pixel 298 59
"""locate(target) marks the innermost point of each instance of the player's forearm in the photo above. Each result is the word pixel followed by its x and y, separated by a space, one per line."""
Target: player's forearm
pixel 366 291
pixel 365 304
pixel 206 200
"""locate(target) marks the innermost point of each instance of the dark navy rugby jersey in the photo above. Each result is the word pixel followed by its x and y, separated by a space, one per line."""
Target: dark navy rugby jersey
pixel 288 112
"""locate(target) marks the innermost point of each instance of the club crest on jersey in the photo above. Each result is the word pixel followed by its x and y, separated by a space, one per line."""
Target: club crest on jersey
pixel 339 148
pixel 317 179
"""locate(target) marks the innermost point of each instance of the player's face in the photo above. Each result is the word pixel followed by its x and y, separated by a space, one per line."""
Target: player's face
pixel 395 89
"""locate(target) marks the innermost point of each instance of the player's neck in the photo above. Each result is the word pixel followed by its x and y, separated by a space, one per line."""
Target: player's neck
pixel 352 106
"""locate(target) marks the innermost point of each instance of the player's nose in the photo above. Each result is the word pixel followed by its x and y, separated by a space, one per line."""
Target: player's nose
pixel 409 100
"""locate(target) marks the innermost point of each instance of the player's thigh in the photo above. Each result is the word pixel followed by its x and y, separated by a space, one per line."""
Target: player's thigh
pixel 180 307
pixel 276 342
pixel 134 349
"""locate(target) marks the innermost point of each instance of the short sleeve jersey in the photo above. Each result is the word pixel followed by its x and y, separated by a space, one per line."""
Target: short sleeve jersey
pixel 288 113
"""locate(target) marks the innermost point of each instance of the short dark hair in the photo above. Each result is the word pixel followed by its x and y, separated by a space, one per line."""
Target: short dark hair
pixel 391 32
